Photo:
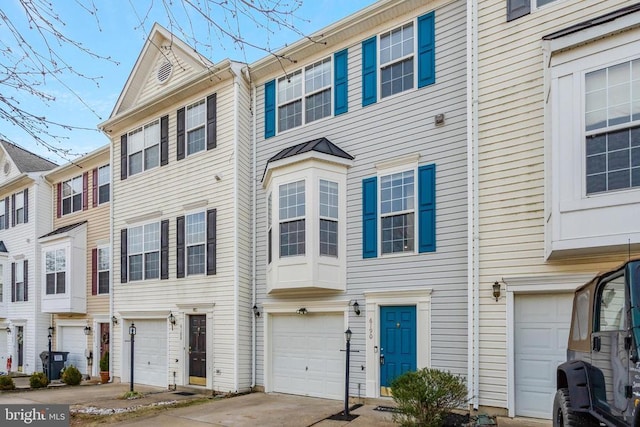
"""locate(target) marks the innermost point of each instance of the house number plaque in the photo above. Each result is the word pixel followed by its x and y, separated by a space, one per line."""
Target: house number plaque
pixel 370 328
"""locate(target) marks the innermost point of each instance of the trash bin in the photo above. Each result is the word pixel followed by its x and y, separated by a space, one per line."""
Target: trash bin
pixel 58 358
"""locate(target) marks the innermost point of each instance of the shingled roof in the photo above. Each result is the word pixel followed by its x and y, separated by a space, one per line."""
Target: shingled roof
pixel 26 161
pixel 63 229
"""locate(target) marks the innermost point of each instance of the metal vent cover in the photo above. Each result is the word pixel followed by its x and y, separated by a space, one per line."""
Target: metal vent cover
pixel 164 71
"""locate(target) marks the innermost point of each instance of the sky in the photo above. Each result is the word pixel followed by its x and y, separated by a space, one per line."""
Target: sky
pixel 118 30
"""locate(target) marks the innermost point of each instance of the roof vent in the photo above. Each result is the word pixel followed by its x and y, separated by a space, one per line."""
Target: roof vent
pixel 7 168
pixel 164 71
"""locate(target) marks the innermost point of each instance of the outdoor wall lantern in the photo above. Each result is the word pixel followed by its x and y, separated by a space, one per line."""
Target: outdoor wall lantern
pixel 8 330
pixel 356 308
pixel 50 331
pixel 256 312
pixel 87 330
pixel 302 310
pixel 496 290
pixel 172 320
pixel 114 320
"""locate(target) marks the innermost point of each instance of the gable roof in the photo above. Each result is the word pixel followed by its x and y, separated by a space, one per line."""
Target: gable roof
pixel 63 229
pixel 26 161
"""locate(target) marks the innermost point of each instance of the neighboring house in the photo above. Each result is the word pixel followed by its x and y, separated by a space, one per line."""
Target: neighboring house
pixel 180 138
pixel 361 201
pixel 75 259
pixel 25 214
pixel 558 150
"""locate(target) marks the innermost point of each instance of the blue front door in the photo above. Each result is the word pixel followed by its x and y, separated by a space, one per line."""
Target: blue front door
pixel 397 342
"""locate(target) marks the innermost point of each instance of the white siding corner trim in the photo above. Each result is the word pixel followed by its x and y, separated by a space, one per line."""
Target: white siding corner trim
pixel 421 298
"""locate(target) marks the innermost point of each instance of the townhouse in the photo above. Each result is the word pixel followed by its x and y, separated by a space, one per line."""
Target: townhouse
pixel 180 141
pixel 360 205
pixel 75 260
pixel 25 214
pixel 558 177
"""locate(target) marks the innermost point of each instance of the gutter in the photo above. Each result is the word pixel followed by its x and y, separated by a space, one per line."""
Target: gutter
pixel 476 208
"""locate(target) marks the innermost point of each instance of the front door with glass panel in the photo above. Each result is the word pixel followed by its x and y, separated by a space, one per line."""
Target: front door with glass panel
pixel 397 344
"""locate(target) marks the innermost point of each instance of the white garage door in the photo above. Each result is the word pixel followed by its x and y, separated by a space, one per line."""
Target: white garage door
pixel 4 350
pixel 541 331
pixel 150 352
pixel 73 340
pixel 306 356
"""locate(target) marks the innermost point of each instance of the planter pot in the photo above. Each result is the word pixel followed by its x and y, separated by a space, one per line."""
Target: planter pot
pixel 104 377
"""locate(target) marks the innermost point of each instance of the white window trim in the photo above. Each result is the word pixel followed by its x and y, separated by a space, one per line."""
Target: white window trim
pixel 55 272
pixel 269 203
pixel 107 249
pixel 187 130
pixel 63 197
pixel 2 214
pixel 19 211
pixel 328 218
pixel 380 65
pixel 19 263
pixel 103 184
pixel 129 254
pixel 305 95
pixel 187 245
pixel 144 147
pixel 404 164
pixel 306 216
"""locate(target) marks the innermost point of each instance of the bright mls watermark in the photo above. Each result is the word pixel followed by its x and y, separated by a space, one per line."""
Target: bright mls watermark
pixel 34 415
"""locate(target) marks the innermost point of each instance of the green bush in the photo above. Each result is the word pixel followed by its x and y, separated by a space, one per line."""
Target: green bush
pixel 6 383
pixel 38 380
pixel 424 397
pixel 104 362
pixel 71 375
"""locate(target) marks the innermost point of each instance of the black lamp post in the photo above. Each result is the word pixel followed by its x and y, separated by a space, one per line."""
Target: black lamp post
pixel 132 334
pixel 49 355
pixel 346 375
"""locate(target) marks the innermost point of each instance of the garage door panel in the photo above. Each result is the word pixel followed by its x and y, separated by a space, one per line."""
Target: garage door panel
pixel 73 340
pixel 306 357
pixel 150 357
pixel 540 342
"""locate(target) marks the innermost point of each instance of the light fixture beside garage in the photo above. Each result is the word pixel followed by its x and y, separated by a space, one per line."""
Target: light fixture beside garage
pixel 302 310
pixel 172 320
pixel 8 329
pixel 114 320
pixel 497 289
pixel 356 308
pixel 256 312
pixel 87 330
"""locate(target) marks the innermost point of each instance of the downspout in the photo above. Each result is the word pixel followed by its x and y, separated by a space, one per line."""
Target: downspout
pixel 476 213
pixel 236 272
pixel 472 253
pixel 254 331
pixel 113 281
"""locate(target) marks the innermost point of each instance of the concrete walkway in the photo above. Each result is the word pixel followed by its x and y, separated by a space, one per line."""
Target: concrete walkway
pixel 250 410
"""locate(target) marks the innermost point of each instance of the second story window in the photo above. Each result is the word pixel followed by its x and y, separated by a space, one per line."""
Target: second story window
pixel 196 115
pixel 55 271
pixel 292 219
pixel 396 60
pixel 305 91
pixel 196 238
pixel 144 148
pixel 269 228
pixel 397 201
pixel 104 179
pixel 144 252
pixel 18 208
pixel 328 218
pixel 19 282
pixel 103 270
pixel 4 211
pixel 72 195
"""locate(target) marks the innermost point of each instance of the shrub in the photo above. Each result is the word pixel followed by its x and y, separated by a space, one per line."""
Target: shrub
pixel 6 383
pixel 424 397
pixel 104 362
pixel 38 380
pixel 71 375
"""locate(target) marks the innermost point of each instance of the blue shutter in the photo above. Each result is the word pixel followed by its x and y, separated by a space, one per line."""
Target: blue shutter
pixel 269 109
pixel 427 208
pixel 426 50
pixel 340 82
pixel 369 68
pixel 370 217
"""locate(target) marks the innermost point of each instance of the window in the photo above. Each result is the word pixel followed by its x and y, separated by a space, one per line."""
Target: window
pixel 3 213
pixel 520 8
pixel 19 208
pixel 292 221
pixel 144 252
pixel 144 148
pixel 55 271
pixel 72 195
pixel 611 315
pixel 314 82
pixel 328 218
pixel 195 239
pixel 104 179
pixel 103 270
pixel 396 60
pixel 20 294
pixel 196 115
pixel 1 283
pixel 269 228
pixel 612 107
pixel 397 202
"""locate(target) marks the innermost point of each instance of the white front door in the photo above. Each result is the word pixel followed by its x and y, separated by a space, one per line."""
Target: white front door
pixel 306 356
pixel 150 353
pixel 73 340
pixel 541 332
